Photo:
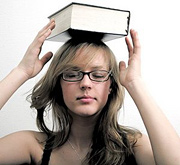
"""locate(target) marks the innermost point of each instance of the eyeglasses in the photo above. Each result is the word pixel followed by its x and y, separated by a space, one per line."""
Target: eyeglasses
pixel 97 75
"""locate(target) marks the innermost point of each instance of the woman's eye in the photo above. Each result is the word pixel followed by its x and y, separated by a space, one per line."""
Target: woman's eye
pixel 71 74
pixel 98 75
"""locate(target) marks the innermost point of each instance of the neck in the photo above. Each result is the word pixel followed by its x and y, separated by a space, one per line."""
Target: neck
pixel 82 130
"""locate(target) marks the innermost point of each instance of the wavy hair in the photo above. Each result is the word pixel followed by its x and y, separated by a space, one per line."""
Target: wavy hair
pixel 111 142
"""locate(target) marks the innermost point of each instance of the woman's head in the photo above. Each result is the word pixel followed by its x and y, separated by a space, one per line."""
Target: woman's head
pixel 79 56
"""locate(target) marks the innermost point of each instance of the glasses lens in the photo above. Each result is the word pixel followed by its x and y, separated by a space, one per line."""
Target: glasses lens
pixel 72 75
pixel 99 75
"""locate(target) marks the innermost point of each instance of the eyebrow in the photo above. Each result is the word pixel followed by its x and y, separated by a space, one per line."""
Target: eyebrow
pixel 75 68
pixel 91 68
pixel 97 67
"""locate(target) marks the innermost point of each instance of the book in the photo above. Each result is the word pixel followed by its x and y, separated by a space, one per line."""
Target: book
pixel 84 20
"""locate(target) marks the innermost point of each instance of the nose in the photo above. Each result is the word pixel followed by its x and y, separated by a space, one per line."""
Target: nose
pixel 85 83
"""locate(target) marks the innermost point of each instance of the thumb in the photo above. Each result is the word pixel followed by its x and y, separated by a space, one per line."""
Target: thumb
pixel 122 66
pixel 46 58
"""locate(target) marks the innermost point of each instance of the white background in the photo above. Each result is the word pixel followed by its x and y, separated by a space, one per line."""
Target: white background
pixel 157 23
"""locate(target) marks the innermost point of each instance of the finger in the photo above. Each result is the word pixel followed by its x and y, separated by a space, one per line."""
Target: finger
pixel 122 66
pixel 40 38
pixel 129 46
pixel 136 43
pixel 46 58
pixel 38 42
pixel 50 25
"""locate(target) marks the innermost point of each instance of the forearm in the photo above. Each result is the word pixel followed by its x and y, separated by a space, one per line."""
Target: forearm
pixel 10 84
pixel 164 139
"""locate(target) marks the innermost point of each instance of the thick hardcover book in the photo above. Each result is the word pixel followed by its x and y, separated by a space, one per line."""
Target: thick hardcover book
pixel 80 19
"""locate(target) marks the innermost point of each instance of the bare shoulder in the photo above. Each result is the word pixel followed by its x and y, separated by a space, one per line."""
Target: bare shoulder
pixel 143 151
pixel 21 147
pixel 25 138
pixel 30 134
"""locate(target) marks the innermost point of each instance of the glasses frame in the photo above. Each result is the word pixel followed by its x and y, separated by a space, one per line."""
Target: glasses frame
pixel 88 73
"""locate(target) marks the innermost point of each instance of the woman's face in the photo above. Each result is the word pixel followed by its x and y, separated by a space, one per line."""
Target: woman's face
pixel 86 97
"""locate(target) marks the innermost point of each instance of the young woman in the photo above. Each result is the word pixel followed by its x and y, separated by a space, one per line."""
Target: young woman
pixel 84 89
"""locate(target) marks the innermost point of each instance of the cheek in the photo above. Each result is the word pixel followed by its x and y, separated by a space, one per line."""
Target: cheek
pixel 104 92
pixel 66 92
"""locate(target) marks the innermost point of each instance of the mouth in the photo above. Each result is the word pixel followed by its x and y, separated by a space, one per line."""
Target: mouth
pixel 86 99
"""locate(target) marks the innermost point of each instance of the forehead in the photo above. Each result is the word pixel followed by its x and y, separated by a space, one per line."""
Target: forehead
pixel 91 57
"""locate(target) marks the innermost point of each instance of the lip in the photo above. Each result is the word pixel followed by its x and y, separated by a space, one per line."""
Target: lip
pixel 86 99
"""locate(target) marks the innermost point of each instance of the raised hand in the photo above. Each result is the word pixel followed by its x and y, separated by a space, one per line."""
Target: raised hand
pixel 31 65
pixel 132 72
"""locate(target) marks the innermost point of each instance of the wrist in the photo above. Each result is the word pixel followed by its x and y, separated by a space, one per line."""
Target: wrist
pixel 20 74
pixel 135 85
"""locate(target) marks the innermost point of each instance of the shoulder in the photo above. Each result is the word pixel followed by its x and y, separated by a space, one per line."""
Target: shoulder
pixel 143 151
pixel 21 147
pixel 25 137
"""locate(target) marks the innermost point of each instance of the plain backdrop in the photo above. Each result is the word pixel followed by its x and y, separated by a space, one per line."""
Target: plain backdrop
pixel 157 23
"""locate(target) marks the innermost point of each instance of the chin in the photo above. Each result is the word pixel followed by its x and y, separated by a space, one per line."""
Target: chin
pixel 86 113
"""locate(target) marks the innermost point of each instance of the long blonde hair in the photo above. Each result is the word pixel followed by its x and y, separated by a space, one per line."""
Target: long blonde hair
pixel 110 143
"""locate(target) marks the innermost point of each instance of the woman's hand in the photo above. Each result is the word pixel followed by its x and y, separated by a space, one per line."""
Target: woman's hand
pixel 31 65
pixel 132 72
